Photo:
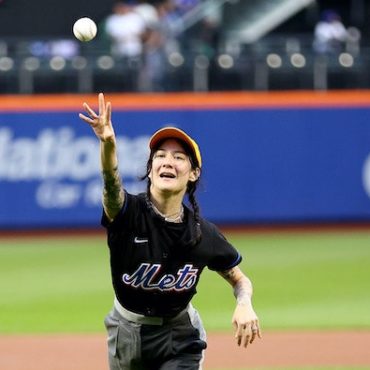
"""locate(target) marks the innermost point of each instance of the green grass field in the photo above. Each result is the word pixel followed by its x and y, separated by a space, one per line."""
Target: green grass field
pixel 305 280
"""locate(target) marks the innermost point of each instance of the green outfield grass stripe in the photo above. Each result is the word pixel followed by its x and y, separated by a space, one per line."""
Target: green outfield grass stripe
pixel 301 281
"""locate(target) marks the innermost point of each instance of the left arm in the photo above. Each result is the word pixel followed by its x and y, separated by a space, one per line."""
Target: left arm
pixel 244 319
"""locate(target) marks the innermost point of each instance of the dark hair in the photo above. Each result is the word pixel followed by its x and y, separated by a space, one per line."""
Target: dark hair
pixel 191 186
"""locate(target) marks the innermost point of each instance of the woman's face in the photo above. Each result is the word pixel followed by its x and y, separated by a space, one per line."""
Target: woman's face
pixel 171 168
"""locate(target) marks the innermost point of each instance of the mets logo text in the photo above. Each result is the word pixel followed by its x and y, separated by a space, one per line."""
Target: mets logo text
pixel 144 277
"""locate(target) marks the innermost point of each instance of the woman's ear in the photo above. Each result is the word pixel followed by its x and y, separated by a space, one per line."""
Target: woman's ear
pixel 194 174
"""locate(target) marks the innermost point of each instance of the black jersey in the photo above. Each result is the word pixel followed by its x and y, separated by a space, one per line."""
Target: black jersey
pixel 155 264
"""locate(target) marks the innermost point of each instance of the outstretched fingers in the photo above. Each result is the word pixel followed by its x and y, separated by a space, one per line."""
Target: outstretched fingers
pixel 109 112
pixel 100 122
pixel 92 116
pixel 101 104
pixel 86 119
pixel 89 111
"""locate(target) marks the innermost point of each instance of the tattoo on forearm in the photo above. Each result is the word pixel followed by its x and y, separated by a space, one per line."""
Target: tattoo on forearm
pixel 228 275
pixel 241 284
pixel 112 191
pixel 242 292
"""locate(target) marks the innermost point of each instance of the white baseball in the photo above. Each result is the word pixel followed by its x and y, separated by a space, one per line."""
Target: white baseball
pixel 85 29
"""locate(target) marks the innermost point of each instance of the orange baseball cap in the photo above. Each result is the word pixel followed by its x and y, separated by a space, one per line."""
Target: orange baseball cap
pixel 176 133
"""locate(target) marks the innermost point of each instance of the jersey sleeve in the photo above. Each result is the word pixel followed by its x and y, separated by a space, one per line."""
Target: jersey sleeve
pixel 225 256
pixel 124 216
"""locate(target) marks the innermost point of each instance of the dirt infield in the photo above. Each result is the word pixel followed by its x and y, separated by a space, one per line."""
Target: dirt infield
pixel 288 349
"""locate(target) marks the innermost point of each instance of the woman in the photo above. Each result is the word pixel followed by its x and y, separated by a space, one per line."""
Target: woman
pixel 158 249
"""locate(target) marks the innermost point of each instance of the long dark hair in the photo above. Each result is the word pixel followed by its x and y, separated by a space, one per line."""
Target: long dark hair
pixel 190 189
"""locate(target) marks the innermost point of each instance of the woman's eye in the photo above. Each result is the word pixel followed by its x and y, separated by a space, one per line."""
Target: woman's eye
pixel 179 157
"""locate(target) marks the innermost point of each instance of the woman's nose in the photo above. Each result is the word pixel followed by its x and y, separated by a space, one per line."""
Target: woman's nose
pixel 167 164
pixel 168 161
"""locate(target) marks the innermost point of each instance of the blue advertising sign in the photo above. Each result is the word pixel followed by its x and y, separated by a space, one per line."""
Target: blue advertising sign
pixel 260 165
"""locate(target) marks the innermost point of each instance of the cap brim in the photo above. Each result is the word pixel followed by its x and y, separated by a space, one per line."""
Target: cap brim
pixel 175 133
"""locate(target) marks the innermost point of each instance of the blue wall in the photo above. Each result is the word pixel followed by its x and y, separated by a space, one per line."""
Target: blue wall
pixel 260 165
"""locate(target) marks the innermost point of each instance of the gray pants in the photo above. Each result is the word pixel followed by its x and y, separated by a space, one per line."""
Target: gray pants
pixel 176 344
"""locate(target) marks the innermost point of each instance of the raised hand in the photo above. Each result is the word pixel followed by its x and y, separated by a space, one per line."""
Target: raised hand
pixel 100 123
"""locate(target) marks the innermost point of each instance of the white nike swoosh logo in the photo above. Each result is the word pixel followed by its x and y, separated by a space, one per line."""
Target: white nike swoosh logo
pixel 140 240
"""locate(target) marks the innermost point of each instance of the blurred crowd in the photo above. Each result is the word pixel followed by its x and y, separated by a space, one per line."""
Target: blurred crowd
pixel 331 36
pixel 148 32
pixel 154 44
pixel 144 35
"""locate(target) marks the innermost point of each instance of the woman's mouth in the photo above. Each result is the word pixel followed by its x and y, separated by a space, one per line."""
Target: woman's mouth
pixel 167 175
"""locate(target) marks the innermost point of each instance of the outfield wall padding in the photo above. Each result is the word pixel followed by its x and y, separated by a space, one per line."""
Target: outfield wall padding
pixel 268 157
